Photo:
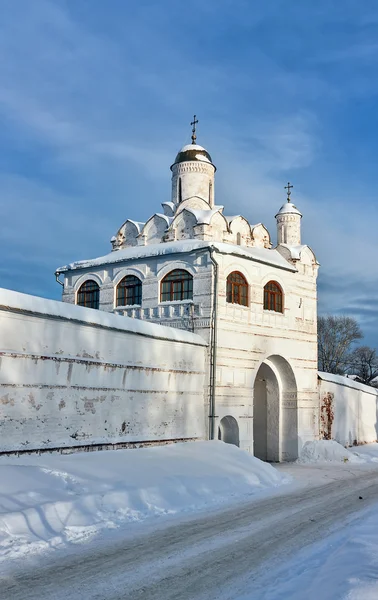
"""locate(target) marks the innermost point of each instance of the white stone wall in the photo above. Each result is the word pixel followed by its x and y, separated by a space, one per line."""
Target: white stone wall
pixel 71 376
pixel 354 407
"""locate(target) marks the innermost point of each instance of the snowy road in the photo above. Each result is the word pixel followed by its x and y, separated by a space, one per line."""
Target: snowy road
pixel 202 558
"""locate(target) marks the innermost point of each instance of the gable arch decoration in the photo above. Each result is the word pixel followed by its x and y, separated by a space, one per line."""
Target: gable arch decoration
pixel 176 285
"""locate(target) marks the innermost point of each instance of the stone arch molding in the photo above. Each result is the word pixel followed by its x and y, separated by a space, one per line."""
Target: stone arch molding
pixel 179 264
pixel 275 411
pixel 88 276
pixel 272 276
pixel 128 271
pixel 235 266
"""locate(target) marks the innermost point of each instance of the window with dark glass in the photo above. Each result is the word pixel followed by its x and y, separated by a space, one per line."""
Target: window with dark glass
pixel 273 297
pixel 129 291
pixel 237 289
pixel 177 285
pixel 89 294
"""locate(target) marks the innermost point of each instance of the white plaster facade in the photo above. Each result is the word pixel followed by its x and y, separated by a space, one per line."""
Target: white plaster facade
pixel 261 389
pixel 72 377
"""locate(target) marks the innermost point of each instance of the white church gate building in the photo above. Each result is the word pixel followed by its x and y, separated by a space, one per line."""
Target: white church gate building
pixel 193 267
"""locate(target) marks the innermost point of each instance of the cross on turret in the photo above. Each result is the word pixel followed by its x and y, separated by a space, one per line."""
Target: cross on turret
pixel 193 124
pixel 288 188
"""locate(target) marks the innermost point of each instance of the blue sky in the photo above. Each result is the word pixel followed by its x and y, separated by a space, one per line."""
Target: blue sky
pixel 96 98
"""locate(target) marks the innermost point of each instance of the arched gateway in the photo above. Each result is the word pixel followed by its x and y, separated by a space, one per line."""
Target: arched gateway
pixel 275 417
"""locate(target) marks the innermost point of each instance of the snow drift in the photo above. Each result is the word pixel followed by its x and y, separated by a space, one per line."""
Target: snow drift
pixel 327 451
pixel 49 500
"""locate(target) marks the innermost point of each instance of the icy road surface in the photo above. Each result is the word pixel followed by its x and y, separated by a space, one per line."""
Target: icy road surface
pixel 206 557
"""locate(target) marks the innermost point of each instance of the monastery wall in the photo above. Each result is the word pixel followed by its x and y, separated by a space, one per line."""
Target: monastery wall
pixel 72 376
pixel 348 410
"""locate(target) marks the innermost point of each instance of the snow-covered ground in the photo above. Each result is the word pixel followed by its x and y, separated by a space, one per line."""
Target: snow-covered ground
pixel 230 527
pixel 343 566
pixel 51 500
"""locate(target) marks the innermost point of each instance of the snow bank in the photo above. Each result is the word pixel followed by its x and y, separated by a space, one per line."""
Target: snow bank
pixel 49 500
pixel 327 451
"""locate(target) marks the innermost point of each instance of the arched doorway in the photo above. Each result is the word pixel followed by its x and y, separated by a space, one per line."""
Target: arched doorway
pixel 275 419
pixel 228 430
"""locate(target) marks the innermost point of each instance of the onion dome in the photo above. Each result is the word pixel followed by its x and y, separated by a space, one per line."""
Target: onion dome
pixel 193 152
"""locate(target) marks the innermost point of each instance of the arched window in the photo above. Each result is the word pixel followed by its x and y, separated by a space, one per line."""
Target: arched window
pixel 237 289
pixel 273 297
pixel 177 285
pixel 129 291
pixel 89 294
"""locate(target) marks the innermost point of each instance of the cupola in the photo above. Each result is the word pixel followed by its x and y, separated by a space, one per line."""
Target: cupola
pixel 289 222
pixel 193 172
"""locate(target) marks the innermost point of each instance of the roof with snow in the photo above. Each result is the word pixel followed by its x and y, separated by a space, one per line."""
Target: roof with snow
pixel 261 255
pixel 288 209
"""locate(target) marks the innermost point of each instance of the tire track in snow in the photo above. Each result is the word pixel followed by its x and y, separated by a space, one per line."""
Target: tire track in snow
pixel 198 558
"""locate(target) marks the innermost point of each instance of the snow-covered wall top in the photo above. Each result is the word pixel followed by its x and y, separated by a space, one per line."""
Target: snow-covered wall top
pixel 262 255
pixel 346 382
pixel 17 302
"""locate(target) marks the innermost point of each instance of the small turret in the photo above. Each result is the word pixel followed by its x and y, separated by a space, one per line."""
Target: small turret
pixel 193 173
pixel 289 222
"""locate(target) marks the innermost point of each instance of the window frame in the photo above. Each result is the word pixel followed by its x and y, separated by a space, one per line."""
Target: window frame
pixel 274 298
pixel 92 303
pixel 182 286
pixel 233 289
pixel 135 286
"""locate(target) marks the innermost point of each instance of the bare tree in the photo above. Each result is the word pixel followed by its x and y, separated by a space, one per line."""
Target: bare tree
pixel 364 364
pixel 336 336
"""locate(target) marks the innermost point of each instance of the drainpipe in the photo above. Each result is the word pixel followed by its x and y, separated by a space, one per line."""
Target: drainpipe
pixel 57 278
pixel 213 347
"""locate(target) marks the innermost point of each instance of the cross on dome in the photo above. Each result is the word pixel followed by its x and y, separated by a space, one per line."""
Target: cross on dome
pixel 288 188
pixel 193 124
